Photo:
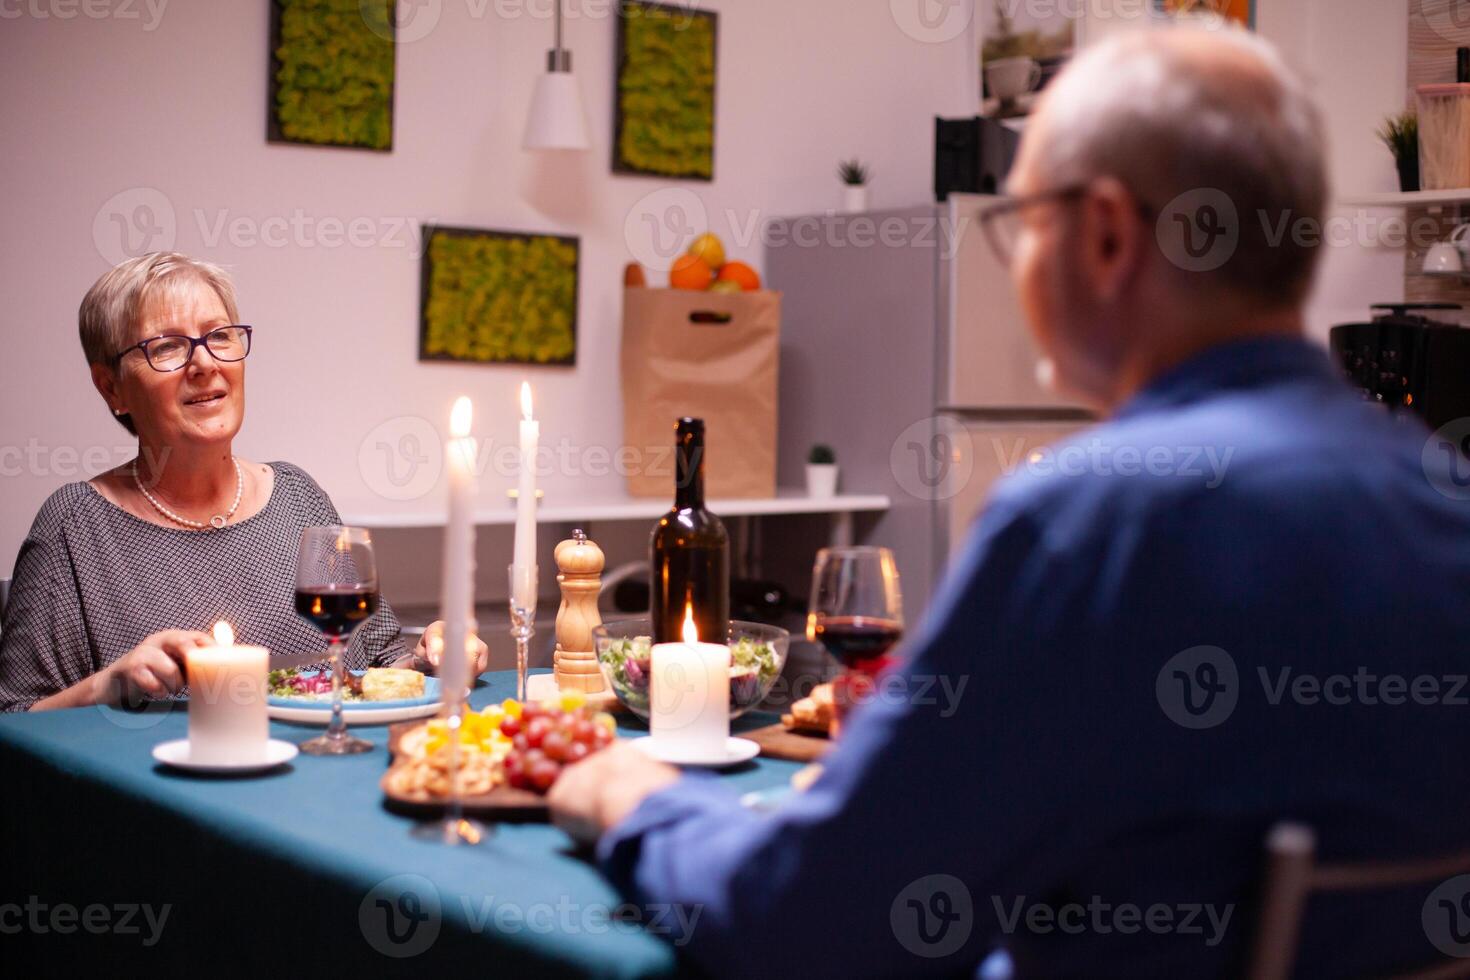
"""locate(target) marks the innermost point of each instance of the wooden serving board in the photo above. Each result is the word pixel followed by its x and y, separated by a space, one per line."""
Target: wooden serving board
pixel 777 742
pixel 542 687
pixel 501 803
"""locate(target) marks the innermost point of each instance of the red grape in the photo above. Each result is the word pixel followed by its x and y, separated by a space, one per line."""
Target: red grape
pixel 545 739
pixel 555 745
pixel 543 774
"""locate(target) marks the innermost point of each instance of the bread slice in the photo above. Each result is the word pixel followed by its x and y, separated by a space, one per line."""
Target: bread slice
pixel 391 684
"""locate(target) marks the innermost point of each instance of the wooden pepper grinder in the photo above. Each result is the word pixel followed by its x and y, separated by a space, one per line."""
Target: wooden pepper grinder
pixel 580 563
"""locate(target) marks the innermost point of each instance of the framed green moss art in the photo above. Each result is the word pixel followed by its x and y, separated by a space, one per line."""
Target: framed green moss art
pixel 331 73
pixel 664 93
pixel 498 297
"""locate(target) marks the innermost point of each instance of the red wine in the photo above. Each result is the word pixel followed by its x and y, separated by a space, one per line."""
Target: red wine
pixel 855 640
pixel 336 610
pixel 689 552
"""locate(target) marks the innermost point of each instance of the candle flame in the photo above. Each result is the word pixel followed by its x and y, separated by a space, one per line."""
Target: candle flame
pixel 526 400
pixel 223 635
pixel 461 416
pixel 691 632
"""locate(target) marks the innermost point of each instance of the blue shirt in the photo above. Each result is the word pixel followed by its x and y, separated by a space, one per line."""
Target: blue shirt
pixel 1241 600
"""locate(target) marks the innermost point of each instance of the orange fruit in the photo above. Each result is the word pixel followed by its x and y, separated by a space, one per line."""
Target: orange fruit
pixel 741 273
pixel 710 248
pixel 725 286
pixel 691 272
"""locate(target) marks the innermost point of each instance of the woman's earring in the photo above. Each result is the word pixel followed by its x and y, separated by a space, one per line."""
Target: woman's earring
pixel 118 411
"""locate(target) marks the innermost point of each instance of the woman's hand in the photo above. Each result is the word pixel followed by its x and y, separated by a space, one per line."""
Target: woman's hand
pixel 154 668
pixel 431 648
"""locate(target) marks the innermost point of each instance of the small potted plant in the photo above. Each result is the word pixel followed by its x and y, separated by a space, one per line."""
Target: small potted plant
pixel 854 174
pixel 821 472
pixel 1400 134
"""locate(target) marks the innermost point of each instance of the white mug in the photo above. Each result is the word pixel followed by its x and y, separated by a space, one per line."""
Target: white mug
pixel 1447 257
pixel 1009 78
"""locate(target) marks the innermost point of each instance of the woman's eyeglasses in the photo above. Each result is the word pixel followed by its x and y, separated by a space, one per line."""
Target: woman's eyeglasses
pixel 172 351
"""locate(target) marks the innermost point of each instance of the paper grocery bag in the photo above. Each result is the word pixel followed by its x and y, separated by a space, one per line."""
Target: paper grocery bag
pixel 713 356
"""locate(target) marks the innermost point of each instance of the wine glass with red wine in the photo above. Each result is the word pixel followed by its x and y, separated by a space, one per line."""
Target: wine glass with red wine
pixel 857 614
pixel 336 591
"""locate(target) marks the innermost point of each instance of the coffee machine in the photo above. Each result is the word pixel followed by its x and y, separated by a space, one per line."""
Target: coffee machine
pixel 1415 366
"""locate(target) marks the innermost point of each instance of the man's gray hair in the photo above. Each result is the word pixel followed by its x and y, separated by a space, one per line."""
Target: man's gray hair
pixel 1185 109
pixel 110 310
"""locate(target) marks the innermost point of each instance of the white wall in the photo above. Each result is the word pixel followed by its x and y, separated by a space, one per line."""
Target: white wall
pixel 174 117
pixel 1354 54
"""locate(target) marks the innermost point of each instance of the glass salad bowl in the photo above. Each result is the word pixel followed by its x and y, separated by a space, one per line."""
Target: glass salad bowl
pixel 757 655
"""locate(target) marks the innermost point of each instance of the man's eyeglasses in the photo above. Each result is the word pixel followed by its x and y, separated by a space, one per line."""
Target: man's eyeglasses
pixel 172 351
pixel 1003 222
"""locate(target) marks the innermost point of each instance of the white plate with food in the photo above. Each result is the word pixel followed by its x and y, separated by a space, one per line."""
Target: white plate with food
pixel 377 696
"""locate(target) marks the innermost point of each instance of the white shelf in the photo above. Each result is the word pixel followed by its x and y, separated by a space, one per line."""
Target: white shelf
pixel 1398 199
pixel 632 509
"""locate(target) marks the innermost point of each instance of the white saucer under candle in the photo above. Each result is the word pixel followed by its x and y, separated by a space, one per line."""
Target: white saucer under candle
pixel 228 725
pixel 732 753
pixel 176 753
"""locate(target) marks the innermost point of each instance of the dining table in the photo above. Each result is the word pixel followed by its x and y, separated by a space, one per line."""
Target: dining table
pixel 110 860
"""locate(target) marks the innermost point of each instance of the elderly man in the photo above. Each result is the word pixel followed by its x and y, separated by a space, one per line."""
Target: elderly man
pixel 1162 661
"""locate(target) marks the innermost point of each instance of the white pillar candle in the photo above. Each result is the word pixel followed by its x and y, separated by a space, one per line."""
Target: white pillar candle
pixel 457 606
pixel 689 695
pixel 524 555
pixel 227 718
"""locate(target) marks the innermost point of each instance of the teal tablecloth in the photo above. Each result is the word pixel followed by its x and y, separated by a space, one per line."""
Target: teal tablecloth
pixel 300 870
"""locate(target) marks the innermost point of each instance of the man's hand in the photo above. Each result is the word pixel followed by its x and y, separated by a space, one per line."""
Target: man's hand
pixel 431 648
pixel 155 668
pixel 598 792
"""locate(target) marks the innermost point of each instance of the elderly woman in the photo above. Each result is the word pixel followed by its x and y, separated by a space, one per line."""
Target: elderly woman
pixel 120 575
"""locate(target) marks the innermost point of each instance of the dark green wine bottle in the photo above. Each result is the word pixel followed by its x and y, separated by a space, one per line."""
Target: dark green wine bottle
pixel 689 552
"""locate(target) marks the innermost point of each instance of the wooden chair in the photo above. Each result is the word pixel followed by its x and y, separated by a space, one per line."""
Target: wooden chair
pixel 1292 875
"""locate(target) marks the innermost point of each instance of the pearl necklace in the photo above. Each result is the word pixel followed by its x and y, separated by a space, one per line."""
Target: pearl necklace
pixel 216 522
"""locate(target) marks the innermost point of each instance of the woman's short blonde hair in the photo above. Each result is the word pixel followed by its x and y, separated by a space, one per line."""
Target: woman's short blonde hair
pixel 111 308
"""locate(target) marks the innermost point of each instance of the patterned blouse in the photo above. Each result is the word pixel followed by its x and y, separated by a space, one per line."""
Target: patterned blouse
pixel 93 581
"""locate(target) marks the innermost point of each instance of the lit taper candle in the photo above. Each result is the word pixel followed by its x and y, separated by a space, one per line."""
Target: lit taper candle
pixel 458 607
pixel 525 541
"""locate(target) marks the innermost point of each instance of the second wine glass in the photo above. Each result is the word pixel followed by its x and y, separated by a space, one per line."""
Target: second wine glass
pixel 336 591
pixel 857 614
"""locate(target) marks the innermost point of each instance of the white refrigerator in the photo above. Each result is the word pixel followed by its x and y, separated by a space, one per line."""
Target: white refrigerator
pixel 903 347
